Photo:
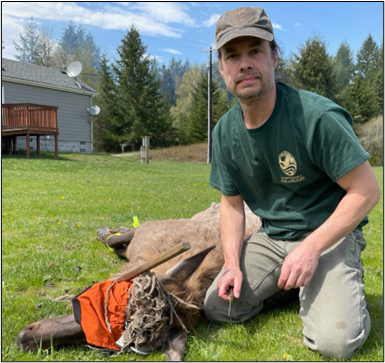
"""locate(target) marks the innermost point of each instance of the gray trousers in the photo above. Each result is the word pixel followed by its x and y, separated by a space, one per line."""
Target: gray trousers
pixel 333 310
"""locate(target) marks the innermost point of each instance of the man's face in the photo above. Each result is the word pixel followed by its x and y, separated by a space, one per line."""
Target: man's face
pixel 248 67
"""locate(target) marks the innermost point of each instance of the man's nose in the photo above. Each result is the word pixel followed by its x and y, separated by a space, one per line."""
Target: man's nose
pixel 245 63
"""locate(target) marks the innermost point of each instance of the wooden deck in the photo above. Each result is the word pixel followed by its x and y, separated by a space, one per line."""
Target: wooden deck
pixel 28 119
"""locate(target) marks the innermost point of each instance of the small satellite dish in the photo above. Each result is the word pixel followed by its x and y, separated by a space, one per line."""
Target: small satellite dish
pixel 74 69
pixel 93 110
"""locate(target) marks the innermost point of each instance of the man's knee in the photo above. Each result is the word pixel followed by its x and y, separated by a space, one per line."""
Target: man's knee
pixel 338 344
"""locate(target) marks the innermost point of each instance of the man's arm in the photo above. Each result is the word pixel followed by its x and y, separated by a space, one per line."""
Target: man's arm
pixel 362 195
pixel 232 228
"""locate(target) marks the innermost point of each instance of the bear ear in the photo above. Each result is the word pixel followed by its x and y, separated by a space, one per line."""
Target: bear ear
pixel 184 269
pixel 175 345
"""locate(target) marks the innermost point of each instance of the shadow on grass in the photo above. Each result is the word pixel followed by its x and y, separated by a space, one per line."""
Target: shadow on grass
pixel 44 155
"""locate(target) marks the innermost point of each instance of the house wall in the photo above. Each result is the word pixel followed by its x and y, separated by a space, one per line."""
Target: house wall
pixel 74 121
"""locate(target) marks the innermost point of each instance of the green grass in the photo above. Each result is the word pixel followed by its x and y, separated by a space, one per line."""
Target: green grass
pixel 51 210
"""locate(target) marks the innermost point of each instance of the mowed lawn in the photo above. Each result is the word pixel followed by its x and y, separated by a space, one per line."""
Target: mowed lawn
pixel 51 210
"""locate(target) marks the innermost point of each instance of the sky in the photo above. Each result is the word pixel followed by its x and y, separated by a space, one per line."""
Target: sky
pixel 184 30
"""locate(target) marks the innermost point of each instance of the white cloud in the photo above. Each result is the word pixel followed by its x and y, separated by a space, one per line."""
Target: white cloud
pixel 297 24
pixel 210 22
pixel 173 51
pixel 11 29
pixel 277 26
pixel 165 12
pixel 152 19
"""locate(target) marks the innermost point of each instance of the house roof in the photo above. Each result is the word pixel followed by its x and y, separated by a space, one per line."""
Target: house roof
pixel 32 74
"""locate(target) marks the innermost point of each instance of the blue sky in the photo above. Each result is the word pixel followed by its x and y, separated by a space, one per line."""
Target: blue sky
pixel 184 29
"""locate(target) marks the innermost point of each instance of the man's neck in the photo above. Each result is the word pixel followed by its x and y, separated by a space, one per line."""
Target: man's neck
pixel 257 111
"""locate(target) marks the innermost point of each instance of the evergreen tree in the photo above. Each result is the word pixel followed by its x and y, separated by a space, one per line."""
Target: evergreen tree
pixel 379 78
pixel 28 48
pixel 343 65
pixel 198 123
pixel 362 102
pixel 312 68
pixel 142 108
pixel 170 76
pixel 68 41
pixel 77 45
pixel 366 59
pixel 105 124
pixel 184 98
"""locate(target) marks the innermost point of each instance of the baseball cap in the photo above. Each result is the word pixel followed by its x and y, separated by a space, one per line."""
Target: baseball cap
pixel 243 21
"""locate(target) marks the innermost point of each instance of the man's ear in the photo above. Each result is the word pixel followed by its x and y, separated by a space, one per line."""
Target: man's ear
pixel 175 345
pixel 276 60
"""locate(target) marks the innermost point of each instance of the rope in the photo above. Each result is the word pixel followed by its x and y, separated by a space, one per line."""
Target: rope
pixel 149 314
pixel 105 307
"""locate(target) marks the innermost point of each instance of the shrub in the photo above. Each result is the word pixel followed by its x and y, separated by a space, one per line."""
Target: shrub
pixel 371 135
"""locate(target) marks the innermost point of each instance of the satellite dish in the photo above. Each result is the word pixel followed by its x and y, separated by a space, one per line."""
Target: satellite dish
pixel 74 69
pixel 93 110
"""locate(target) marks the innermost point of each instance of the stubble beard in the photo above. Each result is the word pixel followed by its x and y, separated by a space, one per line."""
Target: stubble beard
pixel 252 95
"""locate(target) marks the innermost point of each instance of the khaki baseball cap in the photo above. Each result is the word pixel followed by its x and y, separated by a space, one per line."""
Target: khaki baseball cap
pixel 243 21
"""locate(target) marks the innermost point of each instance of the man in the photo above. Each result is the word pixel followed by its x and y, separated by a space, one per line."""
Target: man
pixel 293 157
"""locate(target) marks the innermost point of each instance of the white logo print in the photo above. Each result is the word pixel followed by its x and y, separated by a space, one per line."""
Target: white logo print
pixel 289 166
pixel 287 163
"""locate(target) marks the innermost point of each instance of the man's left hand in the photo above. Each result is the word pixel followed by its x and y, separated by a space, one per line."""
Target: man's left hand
pixel 298 268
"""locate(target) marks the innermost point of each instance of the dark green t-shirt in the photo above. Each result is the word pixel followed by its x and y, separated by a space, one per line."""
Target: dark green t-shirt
pixel 286 170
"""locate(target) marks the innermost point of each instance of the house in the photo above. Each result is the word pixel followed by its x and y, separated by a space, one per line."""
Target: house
pixel 30 83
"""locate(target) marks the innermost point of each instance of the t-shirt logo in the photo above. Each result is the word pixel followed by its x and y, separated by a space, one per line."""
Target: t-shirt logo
pixel 287 163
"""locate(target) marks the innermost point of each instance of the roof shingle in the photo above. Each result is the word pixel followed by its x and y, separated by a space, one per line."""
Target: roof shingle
pixel 45 76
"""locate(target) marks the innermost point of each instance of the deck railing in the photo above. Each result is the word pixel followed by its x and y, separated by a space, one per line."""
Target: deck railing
pixel 28 119
pixel 28 115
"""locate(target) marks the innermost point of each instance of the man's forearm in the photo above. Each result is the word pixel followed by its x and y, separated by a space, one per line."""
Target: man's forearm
pixel 232 228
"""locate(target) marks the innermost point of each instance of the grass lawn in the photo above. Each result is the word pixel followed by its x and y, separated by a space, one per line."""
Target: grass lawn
pixel 51 210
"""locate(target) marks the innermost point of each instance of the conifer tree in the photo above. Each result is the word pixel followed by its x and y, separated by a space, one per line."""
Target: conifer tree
pixel 198 124
pixel 379 78
pixel 68 40
pixel 106 123
pixel 343 64
pixel 28 48
pixel 363 103
pixel 312 68
pixel 170 76
pixel 366 59
pixel 142 108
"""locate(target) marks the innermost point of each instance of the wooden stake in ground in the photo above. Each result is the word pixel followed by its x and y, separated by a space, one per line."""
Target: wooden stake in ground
pixel 168 255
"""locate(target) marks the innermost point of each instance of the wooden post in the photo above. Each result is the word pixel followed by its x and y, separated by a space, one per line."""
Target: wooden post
pixel 56 147
pixel 38 144
pixel 9 145
pixel 27 146
pixel 14 143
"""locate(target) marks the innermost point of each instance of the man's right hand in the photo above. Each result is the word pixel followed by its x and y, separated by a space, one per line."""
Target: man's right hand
pixel 231 280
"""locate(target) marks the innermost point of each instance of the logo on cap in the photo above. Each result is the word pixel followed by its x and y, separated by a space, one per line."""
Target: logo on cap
pixel 242 16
